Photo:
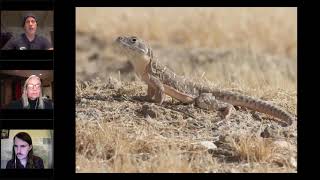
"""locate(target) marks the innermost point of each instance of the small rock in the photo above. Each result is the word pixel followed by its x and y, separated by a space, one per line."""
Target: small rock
pixel 293 162
pixel 113 83
pixel 233 170
pixel 147 110
pixel 211 171
pixel 282 144
pixel 266 133
pixel 93 112
pixel 289 134
pixel 93 57
pixel 208 145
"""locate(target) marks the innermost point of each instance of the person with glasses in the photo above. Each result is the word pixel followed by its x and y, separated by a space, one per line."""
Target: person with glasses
pixel 32 96
pixel 22 154
pixel 28 40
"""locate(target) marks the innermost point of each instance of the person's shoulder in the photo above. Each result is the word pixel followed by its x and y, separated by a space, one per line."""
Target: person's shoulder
pixel 38 162
pixel 15 105
pixel 48 103
pixel 45 43
pixel 37 158
pixel 12 43
pixel 10 164
pixel 22 35
pixel 42 38
pixel 18 38
pixel 10 161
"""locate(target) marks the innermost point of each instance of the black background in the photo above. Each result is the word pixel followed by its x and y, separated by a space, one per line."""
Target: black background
pixel 63 65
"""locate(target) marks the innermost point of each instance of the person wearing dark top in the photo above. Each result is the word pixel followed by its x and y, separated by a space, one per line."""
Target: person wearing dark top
pixel 28 40
pixel 22 154
pixel 33 104
pixel 31 96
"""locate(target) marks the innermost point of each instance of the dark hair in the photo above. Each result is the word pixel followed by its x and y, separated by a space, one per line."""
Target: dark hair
pixel 26 17
pixel 27 138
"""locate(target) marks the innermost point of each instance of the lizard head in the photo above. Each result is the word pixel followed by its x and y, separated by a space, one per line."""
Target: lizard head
pixel 134 47
pixel 138 52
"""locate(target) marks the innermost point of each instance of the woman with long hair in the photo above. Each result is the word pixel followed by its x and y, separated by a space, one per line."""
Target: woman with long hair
pixel 31 96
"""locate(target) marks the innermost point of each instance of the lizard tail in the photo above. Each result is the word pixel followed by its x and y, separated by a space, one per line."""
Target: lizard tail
pixel 255 104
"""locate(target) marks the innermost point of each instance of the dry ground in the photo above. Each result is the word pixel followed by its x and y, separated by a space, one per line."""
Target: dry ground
pixel 248 50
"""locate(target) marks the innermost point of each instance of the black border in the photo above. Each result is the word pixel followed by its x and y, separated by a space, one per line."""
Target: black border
pixel 217 3
pixel 64 73
pixel 186 3
pixel 25 64
pixel 31 59
pixel 27 55
pixel 28 114
pixel 64 67
pixel 22 173
pixel 27 4
pixel 27 124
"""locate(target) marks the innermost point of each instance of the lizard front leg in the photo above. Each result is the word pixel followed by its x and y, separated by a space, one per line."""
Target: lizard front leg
pixel 155 88
pixel 151 92
pixel 208 101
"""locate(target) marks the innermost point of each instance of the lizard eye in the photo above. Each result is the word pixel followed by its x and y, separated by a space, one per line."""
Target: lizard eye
pixel 133 39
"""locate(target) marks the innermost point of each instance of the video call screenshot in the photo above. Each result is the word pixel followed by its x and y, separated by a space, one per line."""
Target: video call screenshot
pixel 91 88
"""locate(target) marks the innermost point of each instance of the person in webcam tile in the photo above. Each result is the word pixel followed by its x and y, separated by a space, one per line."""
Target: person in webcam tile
pixel 28 40
pixel 22 154
pixel 31 96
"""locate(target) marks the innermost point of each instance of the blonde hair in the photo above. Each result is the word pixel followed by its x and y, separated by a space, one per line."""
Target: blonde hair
pixel 25 102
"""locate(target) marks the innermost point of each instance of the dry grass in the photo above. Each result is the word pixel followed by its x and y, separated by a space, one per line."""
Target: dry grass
pixel 255 149
pixel 107 148
pixel 117 130
pixel 142 153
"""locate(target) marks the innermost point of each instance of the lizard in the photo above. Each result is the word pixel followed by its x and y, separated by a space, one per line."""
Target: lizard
pixel 163 81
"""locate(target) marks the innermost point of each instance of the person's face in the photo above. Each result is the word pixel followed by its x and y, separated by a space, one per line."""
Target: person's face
pixel 33 88
pixel 21 148
pixel 30 25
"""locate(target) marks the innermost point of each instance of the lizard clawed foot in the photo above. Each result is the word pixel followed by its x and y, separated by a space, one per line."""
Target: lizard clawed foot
pixel 148 98
pixel 159 97
pixel 226 111
pixel 208 101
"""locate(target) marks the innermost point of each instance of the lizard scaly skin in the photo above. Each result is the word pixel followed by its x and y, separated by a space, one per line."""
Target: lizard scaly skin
pixel 161 80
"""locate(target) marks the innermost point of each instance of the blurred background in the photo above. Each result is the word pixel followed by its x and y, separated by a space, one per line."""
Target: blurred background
pixel 271 30
pixel 248 46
